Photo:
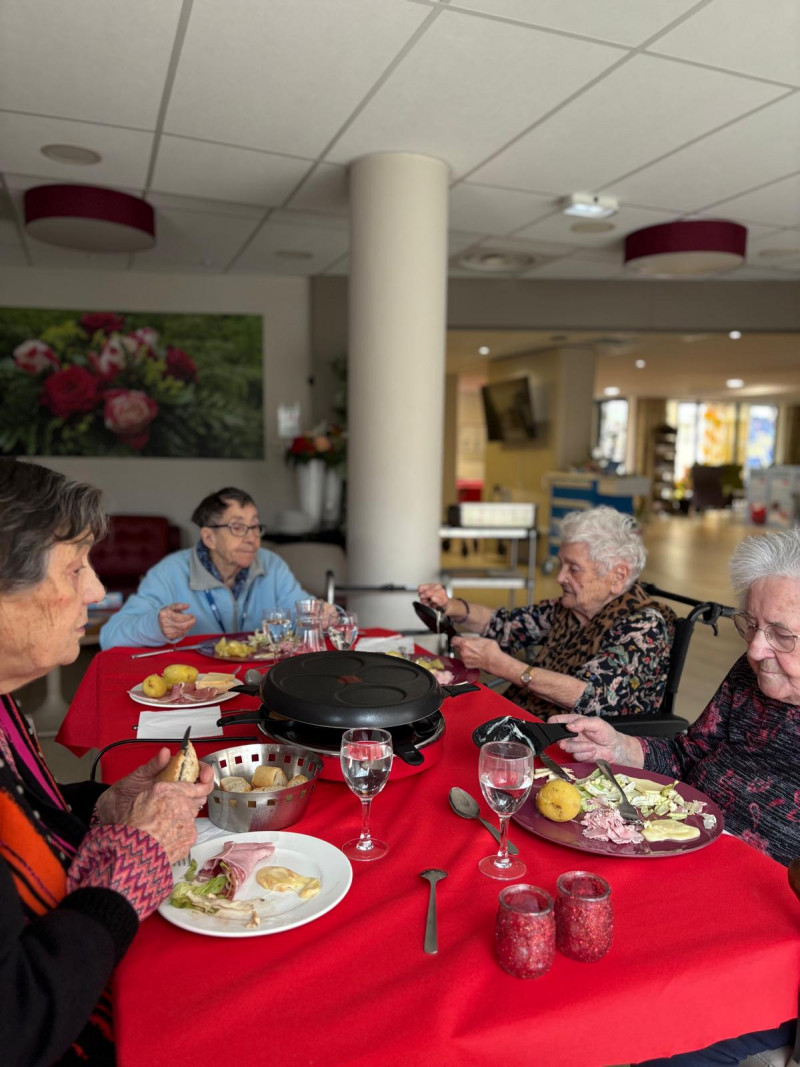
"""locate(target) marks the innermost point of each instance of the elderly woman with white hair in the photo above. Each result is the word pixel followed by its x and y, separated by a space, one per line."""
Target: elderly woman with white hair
pixel 602 648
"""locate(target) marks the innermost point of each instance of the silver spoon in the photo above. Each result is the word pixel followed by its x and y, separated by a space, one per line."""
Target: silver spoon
pixel 467 807
pixel 432 875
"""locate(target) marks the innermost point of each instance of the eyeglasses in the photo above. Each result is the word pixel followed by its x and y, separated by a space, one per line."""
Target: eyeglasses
pixel 780 638
pixel 238 529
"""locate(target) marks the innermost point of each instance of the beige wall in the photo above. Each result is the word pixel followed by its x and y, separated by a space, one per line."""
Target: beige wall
pixel 173 487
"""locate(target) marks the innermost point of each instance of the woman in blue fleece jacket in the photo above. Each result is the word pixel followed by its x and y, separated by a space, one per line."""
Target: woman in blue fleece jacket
pixel 225 584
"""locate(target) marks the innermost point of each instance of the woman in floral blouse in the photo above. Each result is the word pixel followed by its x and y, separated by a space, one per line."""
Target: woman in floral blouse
pixel 601 649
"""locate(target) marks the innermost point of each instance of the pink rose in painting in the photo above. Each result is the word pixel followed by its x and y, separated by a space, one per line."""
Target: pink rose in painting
pixel 144 341
pixel 111 360
pixel 35 356
pixel 107 321
pixel 73 391
pixel 180 366
pixel 128 413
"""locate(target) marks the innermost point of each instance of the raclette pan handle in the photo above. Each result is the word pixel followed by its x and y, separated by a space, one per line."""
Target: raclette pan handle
pixel 461 687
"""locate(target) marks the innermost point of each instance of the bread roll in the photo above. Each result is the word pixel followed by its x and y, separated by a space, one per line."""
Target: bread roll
pixel 183 767
pixel 269 776
pixel 298 779
pixel 234 784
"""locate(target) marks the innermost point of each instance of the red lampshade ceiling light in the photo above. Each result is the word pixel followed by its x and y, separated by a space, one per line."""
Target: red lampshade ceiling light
pixel 695 246
pixel 89 218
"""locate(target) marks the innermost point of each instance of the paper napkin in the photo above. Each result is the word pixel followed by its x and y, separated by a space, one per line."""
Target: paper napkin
pixel 157 724
pixel 393 643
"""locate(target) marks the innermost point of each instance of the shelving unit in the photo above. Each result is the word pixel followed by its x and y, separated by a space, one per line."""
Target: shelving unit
pixel 505 578
pixel 663 467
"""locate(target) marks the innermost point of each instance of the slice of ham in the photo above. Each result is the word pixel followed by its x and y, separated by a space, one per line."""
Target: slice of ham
pixel 183 693
pixel 606 824
pixel 241 860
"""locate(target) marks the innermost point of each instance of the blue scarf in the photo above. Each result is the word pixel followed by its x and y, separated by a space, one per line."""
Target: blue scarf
pixel 204 556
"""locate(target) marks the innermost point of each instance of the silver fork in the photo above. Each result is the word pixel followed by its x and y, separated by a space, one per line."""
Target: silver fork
pixel 628 812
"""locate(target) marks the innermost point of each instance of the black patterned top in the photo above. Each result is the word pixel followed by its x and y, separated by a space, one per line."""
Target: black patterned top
pixel 743 752
pixel 622 655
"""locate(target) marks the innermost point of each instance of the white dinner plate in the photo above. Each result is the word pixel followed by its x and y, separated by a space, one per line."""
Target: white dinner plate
pixel 137 694
pixel 304 855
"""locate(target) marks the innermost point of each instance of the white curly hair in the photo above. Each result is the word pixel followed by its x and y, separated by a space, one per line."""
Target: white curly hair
pixel 610 536
pixel 774 554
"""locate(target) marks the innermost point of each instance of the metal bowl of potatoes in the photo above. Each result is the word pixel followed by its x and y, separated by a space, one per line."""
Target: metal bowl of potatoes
pixel 261 787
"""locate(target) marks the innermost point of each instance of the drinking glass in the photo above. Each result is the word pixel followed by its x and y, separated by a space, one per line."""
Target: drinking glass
pixel 278 624
pixel 366 759
pixel 525 931
pixel 343 630
pixel 584 916
pixel 309 606
pixel 505 772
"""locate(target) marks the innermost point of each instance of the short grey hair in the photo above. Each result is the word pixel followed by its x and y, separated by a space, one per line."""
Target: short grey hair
pixel 775 554
pixel 40 508
pixel 610 536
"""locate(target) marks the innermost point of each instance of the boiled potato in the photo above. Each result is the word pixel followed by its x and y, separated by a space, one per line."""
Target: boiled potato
pixel 179 672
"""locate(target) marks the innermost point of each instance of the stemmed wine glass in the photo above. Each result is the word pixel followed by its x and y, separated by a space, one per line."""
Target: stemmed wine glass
pixel 505 771
pixel 278 625
pixel 366 759
pixel 343 629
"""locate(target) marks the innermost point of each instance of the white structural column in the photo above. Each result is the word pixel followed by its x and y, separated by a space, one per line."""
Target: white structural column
pixel 397 315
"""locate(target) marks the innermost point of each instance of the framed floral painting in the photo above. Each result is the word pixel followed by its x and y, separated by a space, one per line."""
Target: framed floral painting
pixel 88 383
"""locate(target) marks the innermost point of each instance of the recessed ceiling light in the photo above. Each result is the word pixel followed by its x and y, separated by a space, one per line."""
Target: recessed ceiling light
pixel 640 364
pixel 778 253
pixel 611 390
pixel 592 227
pixel 734 383
pixel 484 350
pixel 590 206
pixel 496 262
pixel 293 253
pixel 735 335
pixel 71 153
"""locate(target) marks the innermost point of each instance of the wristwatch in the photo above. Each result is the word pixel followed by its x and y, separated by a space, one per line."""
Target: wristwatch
pixel 525 677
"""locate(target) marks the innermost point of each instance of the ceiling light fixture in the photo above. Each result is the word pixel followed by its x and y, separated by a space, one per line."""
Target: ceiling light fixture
pixel 734 383
pixel 611 390
pixel 735 335
pixel 640 364
pixel 695 246
pixel 589 206
pixel 71 153
pixel 484 350
pixel 496 262
pixel 88 218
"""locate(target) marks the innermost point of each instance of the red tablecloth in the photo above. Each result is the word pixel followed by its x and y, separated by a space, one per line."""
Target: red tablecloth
pixel 706 945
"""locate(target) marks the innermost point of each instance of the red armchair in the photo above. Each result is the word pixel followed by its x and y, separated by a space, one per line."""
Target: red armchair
pixel 134 543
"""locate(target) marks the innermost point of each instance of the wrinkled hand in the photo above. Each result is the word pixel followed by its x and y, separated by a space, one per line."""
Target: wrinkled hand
pixel 433 595
pixel 116 804
pixel 167 811
pixel 595 738
pixel 174 621
pixel 484 654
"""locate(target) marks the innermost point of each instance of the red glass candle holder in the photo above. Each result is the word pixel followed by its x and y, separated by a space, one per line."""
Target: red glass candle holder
pixel 525 935
pixel 584 916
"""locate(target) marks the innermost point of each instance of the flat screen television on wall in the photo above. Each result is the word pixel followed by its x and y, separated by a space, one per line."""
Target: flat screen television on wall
pixel 514 412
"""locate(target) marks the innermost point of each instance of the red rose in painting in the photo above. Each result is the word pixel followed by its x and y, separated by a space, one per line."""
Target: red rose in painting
pixel 107 321
pixel 143 342
pixel 128 413
pixel 35 356
pixel 180 366
pixel 110 361
pixel 73 391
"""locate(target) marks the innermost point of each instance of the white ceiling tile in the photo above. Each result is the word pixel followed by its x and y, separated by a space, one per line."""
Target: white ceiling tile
pixel 326 190
pixel 559 227
pixel 295 71
pixel 199 204
pixel 777 204
pixel 44 255
pixel 459 241
pixel 742 36
pixel 87 59
pixel 755 274
pixel 468 87
pixel 493 210
pixel 577 268
pixel 639 112
pixel 760 148
pixel 305 218
pixel 261 255
pixel 125 152
pixel 628 22
pixel 190 239
pixel 524 244
pixel 218 172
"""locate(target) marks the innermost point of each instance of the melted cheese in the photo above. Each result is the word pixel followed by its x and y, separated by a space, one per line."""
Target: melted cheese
pixel 644 785
pixel 669 830
pixel 282 880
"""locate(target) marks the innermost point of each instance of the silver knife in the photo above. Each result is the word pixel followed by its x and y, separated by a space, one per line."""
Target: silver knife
pixel 161 651
pixel 554 767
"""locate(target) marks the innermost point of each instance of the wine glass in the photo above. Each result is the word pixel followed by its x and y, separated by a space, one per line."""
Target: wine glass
pixel 278 625
pixel 366 759
pixel 505 771
pixel 343 630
